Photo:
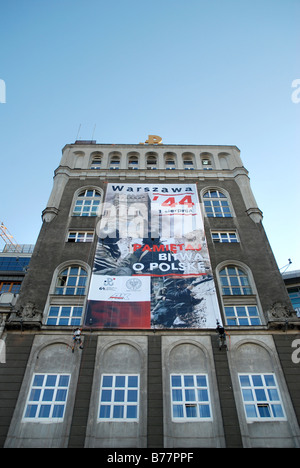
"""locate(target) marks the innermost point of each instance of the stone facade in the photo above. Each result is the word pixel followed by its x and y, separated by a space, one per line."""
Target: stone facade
pixel 34 347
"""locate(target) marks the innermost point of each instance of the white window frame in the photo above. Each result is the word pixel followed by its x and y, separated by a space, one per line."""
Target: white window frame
pixel 186 403
pixel 226 239
pixel 113 403
pixel 39 403
pixel 267 403
pixel 218 204
pixel 79 289
pixel 72 320
pixel 88 236
pixel 241 278
pixel 241 318
pixel 84 204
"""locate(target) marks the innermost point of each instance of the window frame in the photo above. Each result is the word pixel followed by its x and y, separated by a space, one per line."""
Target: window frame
pixel 216 206
pixel 114 163
pixel 240 278
pixel 188 163
pixel 206 164
pixel 239 300
pixel 241 318
pixel 72 319
pixel 10 287
pixel 96 163
pixel 67 277
pixel 227 233
pixel 133 162
pixel 57 300
pixel 47 402
pixel 113 403
pixel 88 236
pixel 186 402
pixel 87 201
pixel 258 403
pixel 170 161
pixel 151 161
pixel 170 164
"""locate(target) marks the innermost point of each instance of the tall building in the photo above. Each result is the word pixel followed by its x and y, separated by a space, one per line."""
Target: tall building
pixel 153 314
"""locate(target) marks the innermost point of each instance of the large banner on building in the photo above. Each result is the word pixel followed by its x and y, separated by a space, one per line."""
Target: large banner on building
pixel 151 266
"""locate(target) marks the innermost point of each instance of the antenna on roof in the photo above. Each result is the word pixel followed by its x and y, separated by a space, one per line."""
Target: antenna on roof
pixel 78 132
pixel 93 132
pixel 286 266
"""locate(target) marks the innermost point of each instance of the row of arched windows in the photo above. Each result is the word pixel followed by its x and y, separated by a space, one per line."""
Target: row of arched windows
pixel 170 161
pixel 216 203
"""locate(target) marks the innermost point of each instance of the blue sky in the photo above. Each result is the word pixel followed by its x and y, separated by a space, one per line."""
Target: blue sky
pixel 193 71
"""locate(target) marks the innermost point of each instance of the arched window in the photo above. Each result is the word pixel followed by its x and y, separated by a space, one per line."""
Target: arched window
pixel 206 161
pixel 170 161
pixel 216 204
pixel 68 292
pixel 114 160
pixel 71 281
pixel 206 164
pixel 188 161
pixel 87 203
pixel 151 161
pixel 133 162
pixel 234 281
pixel 239 297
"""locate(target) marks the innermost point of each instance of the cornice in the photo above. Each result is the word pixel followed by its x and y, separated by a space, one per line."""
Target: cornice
pixel 146 146
pixel 143 174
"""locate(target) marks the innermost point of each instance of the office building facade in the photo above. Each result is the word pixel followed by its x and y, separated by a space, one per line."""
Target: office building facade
pixel 151 251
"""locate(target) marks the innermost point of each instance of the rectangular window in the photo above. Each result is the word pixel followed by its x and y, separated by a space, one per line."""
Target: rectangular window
pixel 190 398
pixel 47 398
pixel 80 236
pixel 119 397
pixel 261 397
pixel 224 236
pixel 64 315
pixel 242 315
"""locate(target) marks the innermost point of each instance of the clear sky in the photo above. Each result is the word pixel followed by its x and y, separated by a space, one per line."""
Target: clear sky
pixel 216 72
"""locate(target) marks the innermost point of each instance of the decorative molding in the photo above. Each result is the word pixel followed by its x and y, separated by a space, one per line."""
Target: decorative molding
pixel 49 213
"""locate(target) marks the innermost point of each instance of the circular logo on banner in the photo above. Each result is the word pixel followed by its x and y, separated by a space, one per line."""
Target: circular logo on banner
pixel 134 284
